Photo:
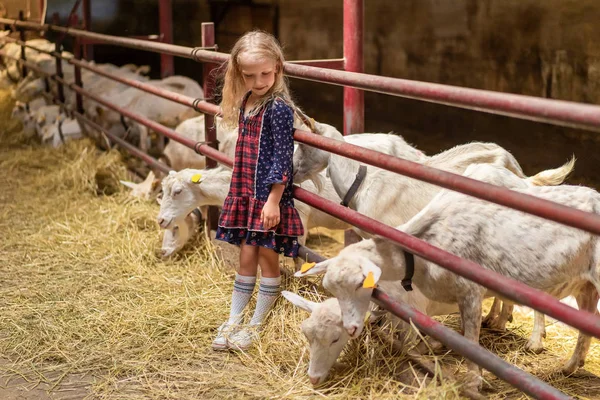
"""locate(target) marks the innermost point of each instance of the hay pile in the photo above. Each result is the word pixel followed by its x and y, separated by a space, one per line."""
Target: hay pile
pixel 86 299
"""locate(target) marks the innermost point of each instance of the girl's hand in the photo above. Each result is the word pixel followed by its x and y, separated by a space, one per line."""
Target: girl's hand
pixel 270 215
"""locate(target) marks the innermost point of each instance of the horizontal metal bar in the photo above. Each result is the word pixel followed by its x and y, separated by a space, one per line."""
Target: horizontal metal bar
pixel 482 357
pixel 556 112
pixel 151 38
pixel 334 63
pixel 148 159
pixel 510 288
pixel 198 104
pixel 495 194
pixel 499 195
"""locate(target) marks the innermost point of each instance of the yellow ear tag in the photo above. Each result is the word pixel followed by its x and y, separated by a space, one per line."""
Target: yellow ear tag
pixel 196 178
pixel 369 281
pixel 307 266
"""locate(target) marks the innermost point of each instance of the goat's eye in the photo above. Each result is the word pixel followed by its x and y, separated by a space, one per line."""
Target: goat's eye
pixel 176 192
pixel 335 341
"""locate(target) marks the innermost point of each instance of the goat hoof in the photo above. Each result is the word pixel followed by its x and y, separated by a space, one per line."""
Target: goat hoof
pixel 571 366
pixel 534 347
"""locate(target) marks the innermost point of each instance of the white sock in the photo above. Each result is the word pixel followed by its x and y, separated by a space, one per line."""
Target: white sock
pixel 268 292
pixel 242 291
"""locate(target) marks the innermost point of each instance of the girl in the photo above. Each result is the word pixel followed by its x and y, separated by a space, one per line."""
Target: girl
pixel 258 213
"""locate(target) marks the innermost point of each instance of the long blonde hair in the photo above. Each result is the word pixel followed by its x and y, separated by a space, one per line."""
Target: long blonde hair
pixel 264 46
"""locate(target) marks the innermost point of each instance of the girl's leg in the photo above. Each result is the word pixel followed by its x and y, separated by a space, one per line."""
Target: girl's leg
pixel 270 286
pixel 243 287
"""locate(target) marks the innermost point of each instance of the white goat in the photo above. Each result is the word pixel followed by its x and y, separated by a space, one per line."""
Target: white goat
pixel 46 115
pixel 156 108
pixel 559 260
pixel 69 127
pixel 180 196
pixel 393 199
pixel 309 161
pixel 178 156
pixel 325 332
pixel 324 353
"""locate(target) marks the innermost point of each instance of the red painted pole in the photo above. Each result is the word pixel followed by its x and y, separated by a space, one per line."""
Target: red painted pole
pixel 22 37
pixel 495 194
pixel 165 18
pixel 88 49
pixel 354 102
pixel 354 99
pixel 78 81
pixel 208 81
pixel 41 4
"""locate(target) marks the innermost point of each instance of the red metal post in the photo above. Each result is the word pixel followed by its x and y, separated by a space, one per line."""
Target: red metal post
pixel 208 82
pixel 354 103
pixel 354 99
pixel 22 37
pixel 58 61
pixel 78 81
pixel 88 49
pixel 165 17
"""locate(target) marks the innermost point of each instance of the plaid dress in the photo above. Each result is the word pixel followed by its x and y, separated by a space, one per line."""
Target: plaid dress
pixel 263 157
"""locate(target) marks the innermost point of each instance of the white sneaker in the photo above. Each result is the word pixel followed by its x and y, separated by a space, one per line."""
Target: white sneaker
pixel 243 339
pixel 223 333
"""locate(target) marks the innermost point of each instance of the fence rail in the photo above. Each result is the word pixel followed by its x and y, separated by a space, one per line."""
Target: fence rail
pixel 523 202
pixel 556 112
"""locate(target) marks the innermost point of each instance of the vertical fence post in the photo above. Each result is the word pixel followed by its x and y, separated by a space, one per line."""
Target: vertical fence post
pixel 354 104
pixel 354 101
pixel 88 49
pixel 22 37
pixel 41 9
pixel 58 61
pixel 208 82
pixel 165 18
pixel 78 81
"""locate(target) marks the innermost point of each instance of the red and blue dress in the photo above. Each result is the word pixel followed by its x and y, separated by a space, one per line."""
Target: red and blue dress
pixel 263 157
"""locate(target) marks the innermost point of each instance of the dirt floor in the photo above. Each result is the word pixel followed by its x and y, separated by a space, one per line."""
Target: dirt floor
pixel 89 310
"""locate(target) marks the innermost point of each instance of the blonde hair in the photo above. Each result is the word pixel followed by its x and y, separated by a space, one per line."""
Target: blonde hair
pixel 262 45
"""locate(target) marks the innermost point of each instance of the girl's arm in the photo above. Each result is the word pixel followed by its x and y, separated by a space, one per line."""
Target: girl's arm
pixel 282 127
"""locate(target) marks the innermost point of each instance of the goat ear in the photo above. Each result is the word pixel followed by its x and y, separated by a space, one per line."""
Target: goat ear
pixel 299 301
pixel 155 185
pixel 371 272
pixel 314 269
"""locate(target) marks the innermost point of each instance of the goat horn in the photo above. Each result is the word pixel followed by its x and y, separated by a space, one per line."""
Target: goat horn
pixel 128 184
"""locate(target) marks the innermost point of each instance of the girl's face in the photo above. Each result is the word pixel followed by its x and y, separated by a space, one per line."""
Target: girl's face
pixel 258 74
